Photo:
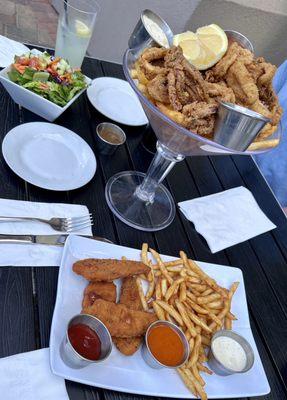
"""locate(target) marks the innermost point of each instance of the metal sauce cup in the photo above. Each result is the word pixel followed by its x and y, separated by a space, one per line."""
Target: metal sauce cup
pixel 240 39
pixel 236 127
pixel 149 357
pixel 221 369
pixel 104 146
pixel 142 37
pixel 71 357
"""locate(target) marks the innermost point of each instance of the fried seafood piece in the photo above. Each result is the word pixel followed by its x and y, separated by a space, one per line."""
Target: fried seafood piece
pixel 150 61
pixel 220 92
pixel 234 53
pixel 99 290
pixel 262 72
pixel 173 57
pixel 199 110
pixel 243 85
pixel 95 270
pixel 158 88
pixel 130 297
pixel 120 320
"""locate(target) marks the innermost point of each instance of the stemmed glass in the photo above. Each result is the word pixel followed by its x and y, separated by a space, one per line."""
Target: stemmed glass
pixel 141 200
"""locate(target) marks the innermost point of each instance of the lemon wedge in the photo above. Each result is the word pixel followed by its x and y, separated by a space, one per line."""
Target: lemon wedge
pixel 82 29
pixel 204 48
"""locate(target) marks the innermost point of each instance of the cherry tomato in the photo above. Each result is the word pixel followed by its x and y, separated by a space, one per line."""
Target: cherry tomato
pixel 34 63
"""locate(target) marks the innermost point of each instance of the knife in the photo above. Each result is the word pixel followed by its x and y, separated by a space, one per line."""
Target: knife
pixel 52 240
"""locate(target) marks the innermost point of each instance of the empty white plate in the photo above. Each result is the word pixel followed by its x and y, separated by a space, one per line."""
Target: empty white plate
pixel 115 99
pixel 49 156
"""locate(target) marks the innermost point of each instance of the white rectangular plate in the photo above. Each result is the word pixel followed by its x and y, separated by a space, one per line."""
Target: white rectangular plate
pixel 131 374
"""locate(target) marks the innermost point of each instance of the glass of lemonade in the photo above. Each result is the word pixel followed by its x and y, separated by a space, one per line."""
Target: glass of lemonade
pixel 75 27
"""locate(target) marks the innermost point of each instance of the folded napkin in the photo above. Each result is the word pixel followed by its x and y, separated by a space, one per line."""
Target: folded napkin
pixel 28 376
pixel 226 218
pixel 34 255
pixel 8 49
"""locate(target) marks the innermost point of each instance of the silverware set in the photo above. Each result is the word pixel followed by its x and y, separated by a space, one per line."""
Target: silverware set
pixel 67 225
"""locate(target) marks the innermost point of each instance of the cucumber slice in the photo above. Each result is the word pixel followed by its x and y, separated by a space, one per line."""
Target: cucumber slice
pixel 41 76
pixel 29 74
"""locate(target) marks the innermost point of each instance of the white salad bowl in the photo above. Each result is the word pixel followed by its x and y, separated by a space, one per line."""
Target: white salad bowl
pixel 34 102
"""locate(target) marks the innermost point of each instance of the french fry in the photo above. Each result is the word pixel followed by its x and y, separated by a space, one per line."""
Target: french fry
pixel 231 316
pixel 161 266
pixel 205 340
pixel 208 299
pixel 199 322
pixel 210 282
pixel 198 287
pixel 226 307
pixel 203 368
pixel 218 304
pixel 188 383
pixel 158 294
pixel 228 324
pixel 144 256
pixel 133 73
pixel 191 343
pixel 191 296
pixel 207 292
pixel 195 351
pixel 163 287
pixel 264 144
pixel 195 373
pixel 197 385
pixel 173 263
pixel 182 291
pixel 173 288
pixel 158 310
pixel 193 279
pixel 151 288
pixel 171 311
pixel 141 294
pixel 192 273
pixel 184 316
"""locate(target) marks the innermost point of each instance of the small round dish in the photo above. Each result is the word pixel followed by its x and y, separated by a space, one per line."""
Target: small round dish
pixel 49 156
pixel 70 355
pixel 115 99
pixel 215 360
pixel 148 355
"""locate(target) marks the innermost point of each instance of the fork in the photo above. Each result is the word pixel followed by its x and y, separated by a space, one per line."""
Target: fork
pixel 68 225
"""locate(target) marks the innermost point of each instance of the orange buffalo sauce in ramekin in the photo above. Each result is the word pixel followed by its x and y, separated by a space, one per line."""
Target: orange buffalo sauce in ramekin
pixel 166 345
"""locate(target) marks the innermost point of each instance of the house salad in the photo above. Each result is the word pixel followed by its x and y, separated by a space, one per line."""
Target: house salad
pixel 50 77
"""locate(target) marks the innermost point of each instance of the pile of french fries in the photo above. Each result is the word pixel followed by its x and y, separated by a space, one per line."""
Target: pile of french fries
pixel 181 292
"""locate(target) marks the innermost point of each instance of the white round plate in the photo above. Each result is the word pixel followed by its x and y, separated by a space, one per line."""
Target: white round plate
pixel 115 99
pixel 49 156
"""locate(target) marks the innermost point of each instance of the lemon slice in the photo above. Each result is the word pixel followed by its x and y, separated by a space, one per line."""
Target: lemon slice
pixel 189 43
pixel 82 29
pixel 204 48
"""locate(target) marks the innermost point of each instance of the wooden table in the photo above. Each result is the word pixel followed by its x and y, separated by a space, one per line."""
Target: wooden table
pixel 27 295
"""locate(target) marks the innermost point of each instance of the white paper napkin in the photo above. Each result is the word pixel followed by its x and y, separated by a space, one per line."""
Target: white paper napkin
pixel 226 218
pixel 8 49
pixel 34 255
pixel 28 376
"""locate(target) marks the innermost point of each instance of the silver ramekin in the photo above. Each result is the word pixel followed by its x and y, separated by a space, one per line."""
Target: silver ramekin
pixel 149 357
pixel 104 146
pixel 71 357
pixel 141 37
pixel 240 38
pixel 217 366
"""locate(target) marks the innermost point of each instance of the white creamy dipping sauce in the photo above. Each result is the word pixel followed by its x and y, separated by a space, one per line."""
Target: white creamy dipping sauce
pixel 155 31
pixel 230 353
